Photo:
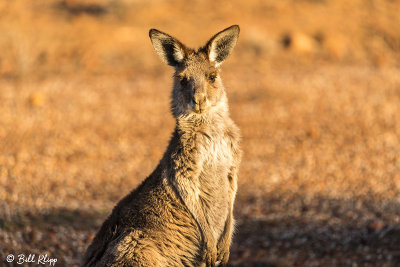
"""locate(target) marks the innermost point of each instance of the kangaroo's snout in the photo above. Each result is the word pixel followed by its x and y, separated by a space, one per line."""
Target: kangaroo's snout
pixel 199 99
pixel 199 102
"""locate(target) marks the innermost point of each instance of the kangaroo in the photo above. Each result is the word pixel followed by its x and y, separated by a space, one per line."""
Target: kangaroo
pixel 182 214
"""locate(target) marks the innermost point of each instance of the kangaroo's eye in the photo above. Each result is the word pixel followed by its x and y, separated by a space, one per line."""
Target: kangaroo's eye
pixel 212 78
pixel 184 81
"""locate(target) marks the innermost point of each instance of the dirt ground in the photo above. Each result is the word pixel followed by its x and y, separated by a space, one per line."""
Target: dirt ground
pixel 314 86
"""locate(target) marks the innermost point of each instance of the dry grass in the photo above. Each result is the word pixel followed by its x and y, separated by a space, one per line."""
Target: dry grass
pixel 313 85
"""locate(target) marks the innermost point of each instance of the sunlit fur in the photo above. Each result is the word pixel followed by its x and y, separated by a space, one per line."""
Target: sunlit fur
pixel 182 214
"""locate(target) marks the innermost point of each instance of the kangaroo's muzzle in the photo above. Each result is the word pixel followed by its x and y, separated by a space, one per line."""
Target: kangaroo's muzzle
pixel 199 102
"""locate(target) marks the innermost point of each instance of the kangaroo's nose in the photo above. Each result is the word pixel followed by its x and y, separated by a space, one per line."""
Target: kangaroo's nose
pixel 199 99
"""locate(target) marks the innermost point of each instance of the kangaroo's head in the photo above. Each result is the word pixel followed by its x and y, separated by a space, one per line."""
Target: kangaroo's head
pixel 197 85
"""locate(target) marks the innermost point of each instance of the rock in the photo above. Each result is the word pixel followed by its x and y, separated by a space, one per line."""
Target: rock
pixel 299 42
pixel 89 239
pixel 375 226
pixel 335 45
pixel 37 99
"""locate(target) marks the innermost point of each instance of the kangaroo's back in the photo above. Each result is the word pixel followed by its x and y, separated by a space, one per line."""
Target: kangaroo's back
pixel 182 214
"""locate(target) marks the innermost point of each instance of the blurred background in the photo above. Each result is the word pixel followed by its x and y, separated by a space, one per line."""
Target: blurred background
pixel 314 86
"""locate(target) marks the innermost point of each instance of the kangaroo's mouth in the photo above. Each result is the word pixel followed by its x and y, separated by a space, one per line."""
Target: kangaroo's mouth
pixel 199 109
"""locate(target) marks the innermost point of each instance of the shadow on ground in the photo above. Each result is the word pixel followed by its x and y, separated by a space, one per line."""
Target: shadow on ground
pixel 79 220
pixel 316 232
pixel 271 231
pixel 62 234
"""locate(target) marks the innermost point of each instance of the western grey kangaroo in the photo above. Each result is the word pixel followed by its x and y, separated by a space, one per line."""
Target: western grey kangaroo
pixel 182 214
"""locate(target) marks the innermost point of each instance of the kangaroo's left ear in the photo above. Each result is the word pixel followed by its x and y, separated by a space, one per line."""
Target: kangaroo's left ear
pixel 221 45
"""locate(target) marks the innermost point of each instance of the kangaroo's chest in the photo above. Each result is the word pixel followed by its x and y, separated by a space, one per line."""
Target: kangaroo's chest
pixel 217 160
pixel 215 187
pixel 218 152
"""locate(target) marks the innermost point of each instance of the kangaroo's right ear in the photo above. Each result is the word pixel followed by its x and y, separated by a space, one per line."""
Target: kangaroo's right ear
pixel 169 49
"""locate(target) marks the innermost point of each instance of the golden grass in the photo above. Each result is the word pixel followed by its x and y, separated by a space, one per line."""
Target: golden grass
pixel 84 100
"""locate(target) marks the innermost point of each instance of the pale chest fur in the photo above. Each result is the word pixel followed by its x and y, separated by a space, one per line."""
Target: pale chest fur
pixel 217 152
pixel 202 169
pixel 215 190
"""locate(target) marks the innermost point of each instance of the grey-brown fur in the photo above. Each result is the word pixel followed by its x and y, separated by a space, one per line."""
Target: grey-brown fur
pixel 181 215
